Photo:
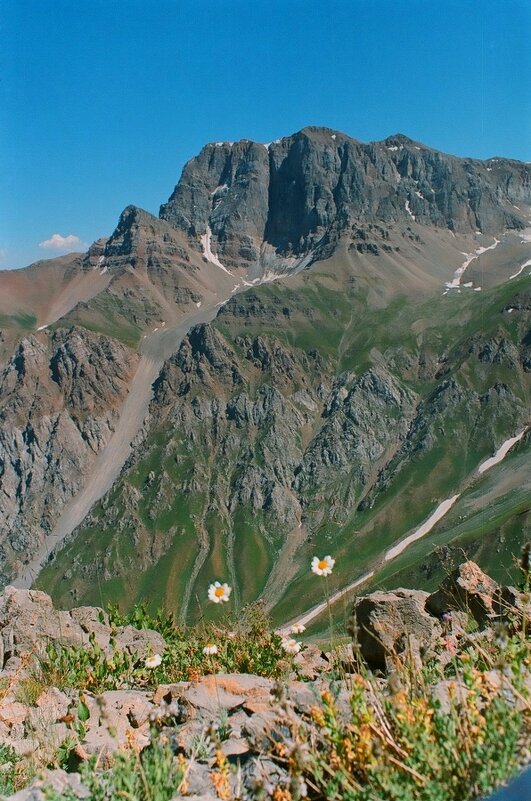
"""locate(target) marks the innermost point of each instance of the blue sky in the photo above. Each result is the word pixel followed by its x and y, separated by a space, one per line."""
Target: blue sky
pixel 103 101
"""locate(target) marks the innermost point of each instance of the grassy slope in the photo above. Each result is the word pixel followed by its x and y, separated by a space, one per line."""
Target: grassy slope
pixel 350 337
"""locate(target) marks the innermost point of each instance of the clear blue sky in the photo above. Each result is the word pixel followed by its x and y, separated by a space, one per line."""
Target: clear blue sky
pixel 103 101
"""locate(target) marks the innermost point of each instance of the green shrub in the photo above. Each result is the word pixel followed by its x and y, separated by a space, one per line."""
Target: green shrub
pixel 401 745
pixel 154 775
pixel 245 644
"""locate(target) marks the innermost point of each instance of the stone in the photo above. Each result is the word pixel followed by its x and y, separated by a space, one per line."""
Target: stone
pixel 13 712
pixel 449 692
pixel 513 607
pixel 59 780
pixel 226 691
pixel 468 589
pixel 387 624
pixel 28 622
pixel 118 718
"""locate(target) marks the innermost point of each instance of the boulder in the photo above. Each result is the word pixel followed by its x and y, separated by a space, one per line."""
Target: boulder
pixel 29 621
pixel 384 624
pixel 468 589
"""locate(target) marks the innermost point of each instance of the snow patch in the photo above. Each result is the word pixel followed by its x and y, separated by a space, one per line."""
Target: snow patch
pixel 470 257
pixel 469 284
pixel 102 272
pixel 501 453
pixel 510 310
pixel 198 304
pixel 219 188
pixel 207 251
pixel 477 289
pixel 333 136
pixel 408 209
pixel 42 327
pixel 393 147
pixel 420 195
pixel 526 264
pixel 441 510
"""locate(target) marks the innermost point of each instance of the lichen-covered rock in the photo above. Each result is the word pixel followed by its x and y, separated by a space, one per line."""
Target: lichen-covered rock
pixel 468 589
pixel 28 622
pixel 387 624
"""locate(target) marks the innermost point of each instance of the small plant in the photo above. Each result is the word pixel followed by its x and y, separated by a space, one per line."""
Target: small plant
pixel 398 743
pixel 88 668
pixel 153 775
pixel 11 772
pixel 243 644
pixel 28 690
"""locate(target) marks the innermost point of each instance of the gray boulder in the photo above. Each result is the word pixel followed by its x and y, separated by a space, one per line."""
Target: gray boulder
pixel 385 624
pixel 468 589
pixel 28 622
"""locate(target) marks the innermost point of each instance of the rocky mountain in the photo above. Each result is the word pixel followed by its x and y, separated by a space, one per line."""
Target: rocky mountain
pixel 337 334
pixel 60 401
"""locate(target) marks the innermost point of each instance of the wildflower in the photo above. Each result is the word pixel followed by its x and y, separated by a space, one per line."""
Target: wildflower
pixel 291 646
pixel 153 661
pixel 210 649
pixel 322 567
pixel 450 645
pixel 219 593
pixel 446 617
pixel 298 628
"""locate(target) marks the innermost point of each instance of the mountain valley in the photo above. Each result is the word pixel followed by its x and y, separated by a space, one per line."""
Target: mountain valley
pixel 315 344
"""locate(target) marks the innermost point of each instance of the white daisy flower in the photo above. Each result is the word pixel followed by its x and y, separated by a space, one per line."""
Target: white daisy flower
pixel 291 646
pixel 322 567
pixel 297 628
pixel 153 661
pixel 218 593
pixel 210 649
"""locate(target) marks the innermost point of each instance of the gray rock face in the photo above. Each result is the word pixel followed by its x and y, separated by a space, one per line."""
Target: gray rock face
pixel 298 193
pixel 58 406
pixel 28 622
pixel 388 624
pixel 468 589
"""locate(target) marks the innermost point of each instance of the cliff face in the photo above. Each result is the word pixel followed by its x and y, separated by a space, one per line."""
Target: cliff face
pixel 299 193
pixel 330 409
pixel 282 430
pixel 59 403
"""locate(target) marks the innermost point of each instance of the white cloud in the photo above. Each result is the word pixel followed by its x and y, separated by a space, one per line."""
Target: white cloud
pixel 58 242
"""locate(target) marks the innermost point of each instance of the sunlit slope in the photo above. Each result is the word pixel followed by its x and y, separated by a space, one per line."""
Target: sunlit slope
pixel 309 415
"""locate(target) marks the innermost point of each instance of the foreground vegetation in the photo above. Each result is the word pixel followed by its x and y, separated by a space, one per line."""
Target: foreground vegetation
pixel 454 728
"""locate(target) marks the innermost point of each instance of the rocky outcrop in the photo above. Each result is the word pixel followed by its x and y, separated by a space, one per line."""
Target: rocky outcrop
pixel 386 625
pixel 29 622
pixel 472 592
pixel 59 403
pixel 247 723
pixel 297 194
pixel 408 623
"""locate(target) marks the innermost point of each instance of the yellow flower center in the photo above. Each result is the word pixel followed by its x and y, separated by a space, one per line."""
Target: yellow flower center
pixel 219 592
pixel 323 564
